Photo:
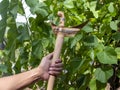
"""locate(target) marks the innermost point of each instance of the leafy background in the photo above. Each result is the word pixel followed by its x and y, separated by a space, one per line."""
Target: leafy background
pixel 91 58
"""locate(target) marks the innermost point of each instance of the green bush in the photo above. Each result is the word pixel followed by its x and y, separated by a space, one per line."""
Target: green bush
pixel 91 58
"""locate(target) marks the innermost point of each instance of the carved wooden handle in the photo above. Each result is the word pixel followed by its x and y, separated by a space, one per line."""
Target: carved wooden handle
pixel 57 50
pixel 62 18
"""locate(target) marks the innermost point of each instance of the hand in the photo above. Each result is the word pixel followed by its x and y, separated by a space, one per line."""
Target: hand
pixel 48 69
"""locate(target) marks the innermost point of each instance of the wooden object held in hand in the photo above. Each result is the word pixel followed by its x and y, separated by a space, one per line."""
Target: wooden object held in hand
pixel 61 32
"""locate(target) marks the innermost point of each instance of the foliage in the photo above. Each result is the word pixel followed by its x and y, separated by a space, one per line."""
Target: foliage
pixel 90 58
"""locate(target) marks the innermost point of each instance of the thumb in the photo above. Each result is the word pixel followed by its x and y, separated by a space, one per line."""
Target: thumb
pixel 50 56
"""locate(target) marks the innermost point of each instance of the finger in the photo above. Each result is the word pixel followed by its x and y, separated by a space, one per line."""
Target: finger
pixel 50 56
pixel 57 65
pixel 58 61
pixel 54 73
pixel 55 69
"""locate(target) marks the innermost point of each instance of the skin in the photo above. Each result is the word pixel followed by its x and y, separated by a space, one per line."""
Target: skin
pixel 42 72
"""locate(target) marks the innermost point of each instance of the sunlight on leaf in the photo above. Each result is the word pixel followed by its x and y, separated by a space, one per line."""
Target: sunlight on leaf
pixel 69 3
pixel 92 84
pixel 111 8
pixel 117 50
pixel 107 56
pixel 113 25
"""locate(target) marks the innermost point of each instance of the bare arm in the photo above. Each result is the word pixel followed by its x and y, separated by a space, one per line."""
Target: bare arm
pixel 19 81
pixel 22 80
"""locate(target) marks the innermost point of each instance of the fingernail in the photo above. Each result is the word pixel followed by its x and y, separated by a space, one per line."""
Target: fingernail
pixel 58 61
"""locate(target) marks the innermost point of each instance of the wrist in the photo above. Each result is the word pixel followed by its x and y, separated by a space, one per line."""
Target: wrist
pixel 43 74
pixel 39 72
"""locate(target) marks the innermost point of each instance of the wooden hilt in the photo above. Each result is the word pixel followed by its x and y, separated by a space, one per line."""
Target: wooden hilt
pixel 61 31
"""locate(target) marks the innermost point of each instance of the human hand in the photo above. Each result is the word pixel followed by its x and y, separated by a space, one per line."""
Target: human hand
pixel 48 69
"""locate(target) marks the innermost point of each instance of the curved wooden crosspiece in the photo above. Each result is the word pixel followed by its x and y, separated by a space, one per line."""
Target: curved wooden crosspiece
pixel 60 31
pixel 66 31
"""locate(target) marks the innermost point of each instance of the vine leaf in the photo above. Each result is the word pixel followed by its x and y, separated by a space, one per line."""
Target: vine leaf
pixel 116 36
pixel 3 13
pixel 92 84
pixel 118 52
pixel 37 7
pixel 103 75
pixel 111 8
pixel 107 56
pixel 113 25
pixel 69 4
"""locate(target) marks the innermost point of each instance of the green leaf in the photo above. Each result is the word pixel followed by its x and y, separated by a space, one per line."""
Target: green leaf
pixel 45 43
pixel 118 73
pixel 3 13
pixel 107 56
pixel 113 25
pixel 71 88
pixel 38 52
pixel 116 36
pixel 95 14
pixel 83 65
pixel 93 8
pixel 80 80
pixel 32 3
pixel 37 49
pixel 69 4
pixel 78 64
pixel 111 7
pixel 4 7
pixel 74 64
pixel 2 29
pixel 12 34
pixel 13 8
pixel 83 81
pixel 117 50
pixel 92 84
pixel 76 39
pixel 93 5
pixel 99 48
pixel 3 68
pixel 87 28
pixel 23 33
pixel 103 75
pixel 20 8
pixel 92 54
pixel 100 86
pixel 37 7
pixel 90 41
pixel 38 10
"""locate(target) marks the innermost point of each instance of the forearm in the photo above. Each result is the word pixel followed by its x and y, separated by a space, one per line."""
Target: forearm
pixel 19 81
